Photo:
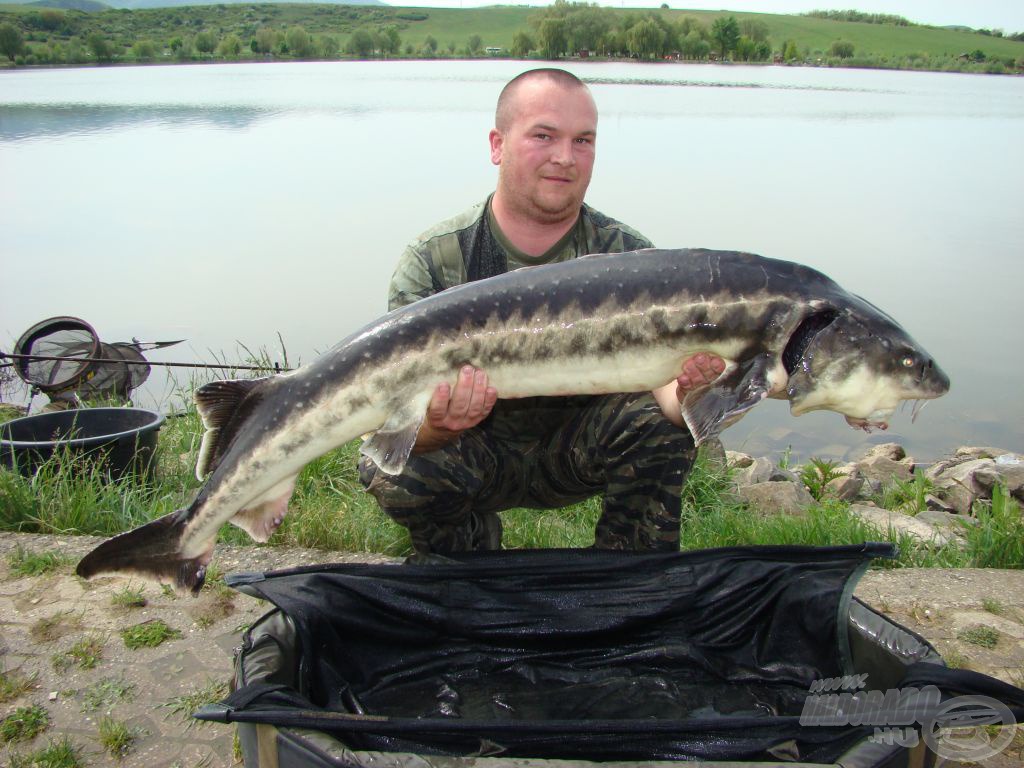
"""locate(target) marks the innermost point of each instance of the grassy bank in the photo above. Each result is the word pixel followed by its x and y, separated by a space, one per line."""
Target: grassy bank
pixel 300 31
pixel 329 510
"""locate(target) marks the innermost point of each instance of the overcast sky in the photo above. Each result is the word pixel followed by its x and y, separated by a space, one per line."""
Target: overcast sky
pixel 1007 15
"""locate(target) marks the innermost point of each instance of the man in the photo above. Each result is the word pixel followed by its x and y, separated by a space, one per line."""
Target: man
pixel 475 456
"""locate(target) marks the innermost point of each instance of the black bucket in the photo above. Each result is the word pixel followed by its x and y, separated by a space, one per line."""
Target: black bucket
pixel 124 439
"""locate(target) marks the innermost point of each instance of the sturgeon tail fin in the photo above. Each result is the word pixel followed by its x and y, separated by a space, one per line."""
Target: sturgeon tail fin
pixel 151 551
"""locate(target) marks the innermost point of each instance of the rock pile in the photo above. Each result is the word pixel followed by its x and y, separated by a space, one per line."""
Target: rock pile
pixel 948 489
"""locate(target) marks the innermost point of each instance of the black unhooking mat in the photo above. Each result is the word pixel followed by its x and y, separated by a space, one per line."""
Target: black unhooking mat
pixel 579 654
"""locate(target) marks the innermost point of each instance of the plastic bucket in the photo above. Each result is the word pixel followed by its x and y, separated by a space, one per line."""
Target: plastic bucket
pixel 124 439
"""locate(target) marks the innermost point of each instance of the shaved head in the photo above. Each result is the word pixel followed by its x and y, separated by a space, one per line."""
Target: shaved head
pixel 505 113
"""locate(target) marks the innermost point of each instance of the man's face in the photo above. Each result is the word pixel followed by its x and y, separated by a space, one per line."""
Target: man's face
pixel 546 151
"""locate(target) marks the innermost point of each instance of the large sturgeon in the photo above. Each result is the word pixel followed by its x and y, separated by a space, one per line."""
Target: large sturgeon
pixel 604 323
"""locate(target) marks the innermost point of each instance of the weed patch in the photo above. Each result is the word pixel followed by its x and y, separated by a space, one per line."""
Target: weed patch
pixel 128 598
pixel 59 753
pixel 148 634
pixel 85 654
pixel 981 635
pixel 24 724
pixel 116 737
pixel 104 694
pixel 183 706
pixel 14 684
pixel 23 562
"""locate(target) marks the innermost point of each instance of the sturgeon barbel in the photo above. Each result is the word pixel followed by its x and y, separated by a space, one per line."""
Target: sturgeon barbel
pixel 599 324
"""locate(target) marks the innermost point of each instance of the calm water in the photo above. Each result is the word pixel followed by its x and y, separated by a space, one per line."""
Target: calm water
pixel 229 204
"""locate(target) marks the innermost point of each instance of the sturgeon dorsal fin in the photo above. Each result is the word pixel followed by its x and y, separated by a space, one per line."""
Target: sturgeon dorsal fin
pixel 217 403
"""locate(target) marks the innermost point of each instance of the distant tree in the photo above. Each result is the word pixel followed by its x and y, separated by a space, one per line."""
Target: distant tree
pixel 451 47
pixel 842 49
pixel 475 45
pixel 745 48
pixel 690 24
pixel 266 40
pixel 300 44
pixel 693 46
pixel 522 44
pixel 328 46
pixel 144 50
pixel 206 42
pixel 230 47
pixel 175 44
pixel 585 26
pixel 430 45
pixel 763 51
pixel 977 55
pixel 553 40
pixel 100 47
pixel 645 39
pixel 789 51
pixel 725 31
pixel 360 43
pixel 12 43
pixel 391 42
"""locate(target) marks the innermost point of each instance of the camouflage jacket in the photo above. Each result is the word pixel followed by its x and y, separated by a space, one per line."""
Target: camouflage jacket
pixel 470 246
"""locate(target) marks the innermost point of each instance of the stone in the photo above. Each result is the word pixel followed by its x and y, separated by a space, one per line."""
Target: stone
pixel 846 487
pixel 957 485
pixel 777 497
pixel 892 451
pixel 882 469
pixel 934 503
pixel 886 519
pixel 758 471
pixel 714 451
pixel 738 460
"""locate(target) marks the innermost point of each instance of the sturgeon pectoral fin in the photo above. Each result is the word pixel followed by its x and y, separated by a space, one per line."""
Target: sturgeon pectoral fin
pixel 263 516
pixel 152 551
pixel 389 447
pixel 735 393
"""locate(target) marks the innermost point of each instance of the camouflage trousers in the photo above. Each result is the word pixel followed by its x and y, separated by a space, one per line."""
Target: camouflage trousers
pixel 618 445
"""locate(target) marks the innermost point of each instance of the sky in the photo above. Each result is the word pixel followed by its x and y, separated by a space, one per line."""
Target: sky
pixel 1007 15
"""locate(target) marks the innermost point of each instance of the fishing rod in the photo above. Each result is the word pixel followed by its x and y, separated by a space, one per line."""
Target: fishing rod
pixel 277 367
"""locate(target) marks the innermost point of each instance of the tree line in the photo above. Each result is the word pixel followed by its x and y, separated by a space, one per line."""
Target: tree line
pixel 569 28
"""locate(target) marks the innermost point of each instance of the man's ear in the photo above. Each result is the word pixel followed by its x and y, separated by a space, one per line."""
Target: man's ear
pixel 496 140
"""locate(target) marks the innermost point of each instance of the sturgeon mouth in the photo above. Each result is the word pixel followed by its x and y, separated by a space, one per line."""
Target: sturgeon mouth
pixel 802 337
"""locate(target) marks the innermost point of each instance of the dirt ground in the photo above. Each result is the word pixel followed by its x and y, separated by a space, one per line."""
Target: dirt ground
pixel 42 618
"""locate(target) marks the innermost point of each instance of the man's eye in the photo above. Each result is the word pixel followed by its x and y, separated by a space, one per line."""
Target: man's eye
pixel 542 136
pixel 584 141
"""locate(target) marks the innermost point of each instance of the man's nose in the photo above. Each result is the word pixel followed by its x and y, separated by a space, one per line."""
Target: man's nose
pixel 562 154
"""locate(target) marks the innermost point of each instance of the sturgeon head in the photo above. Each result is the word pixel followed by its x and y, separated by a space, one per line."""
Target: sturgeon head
pixel 852 358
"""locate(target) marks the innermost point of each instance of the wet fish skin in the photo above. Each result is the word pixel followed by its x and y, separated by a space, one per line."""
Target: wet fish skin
pixel 604 323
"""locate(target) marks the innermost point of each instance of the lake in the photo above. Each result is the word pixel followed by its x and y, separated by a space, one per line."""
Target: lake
pixel 231 204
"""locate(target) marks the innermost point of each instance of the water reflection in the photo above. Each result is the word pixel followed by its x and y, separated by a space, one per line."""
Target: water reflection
pixel 19 122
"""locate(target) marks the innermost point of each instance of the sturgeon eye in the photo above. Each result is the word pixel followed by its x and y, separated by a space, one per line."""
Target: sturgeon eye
pixel 908 361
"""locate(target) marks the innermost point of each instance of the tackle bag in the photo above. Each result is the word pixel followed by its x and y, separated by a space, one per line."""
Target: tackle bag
pixel 514 658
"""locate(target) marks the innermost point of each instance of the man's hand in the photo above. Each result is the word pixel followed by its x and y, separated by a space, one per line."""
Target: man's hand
pixel 453 411
pixel 698 371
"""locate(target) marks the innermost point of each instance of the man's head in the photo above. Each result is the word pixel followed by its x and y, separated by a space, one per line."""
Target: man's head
pixel 543 142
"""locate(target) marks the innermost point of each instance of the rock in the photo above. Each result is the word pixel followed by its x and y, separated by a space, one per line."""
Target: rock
pixel 847 487
pixel 891 451
pixel 957 485
pixel 979 452
pixel 934 503
pixel 882 469
pixel 738 460
pixel 777 497
pixel 950 524
pixel 886 519
pixel 761 470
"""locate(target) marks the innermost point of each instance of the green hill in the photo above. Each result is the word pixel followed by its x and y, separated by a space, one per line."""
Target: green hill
pixel 237 29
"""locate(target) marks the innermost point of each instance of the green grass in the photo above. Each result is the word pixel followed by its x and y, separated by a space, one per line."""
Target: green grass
pixel 183 706
pixel 24 724
pixel 105 693
pixel 129 597
pixel 15 684
pixel 980 635
pixel 23 562
pixel 148 634
pixel 59 753
pixel 116 737
pixel 997 541
pixel 85 654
